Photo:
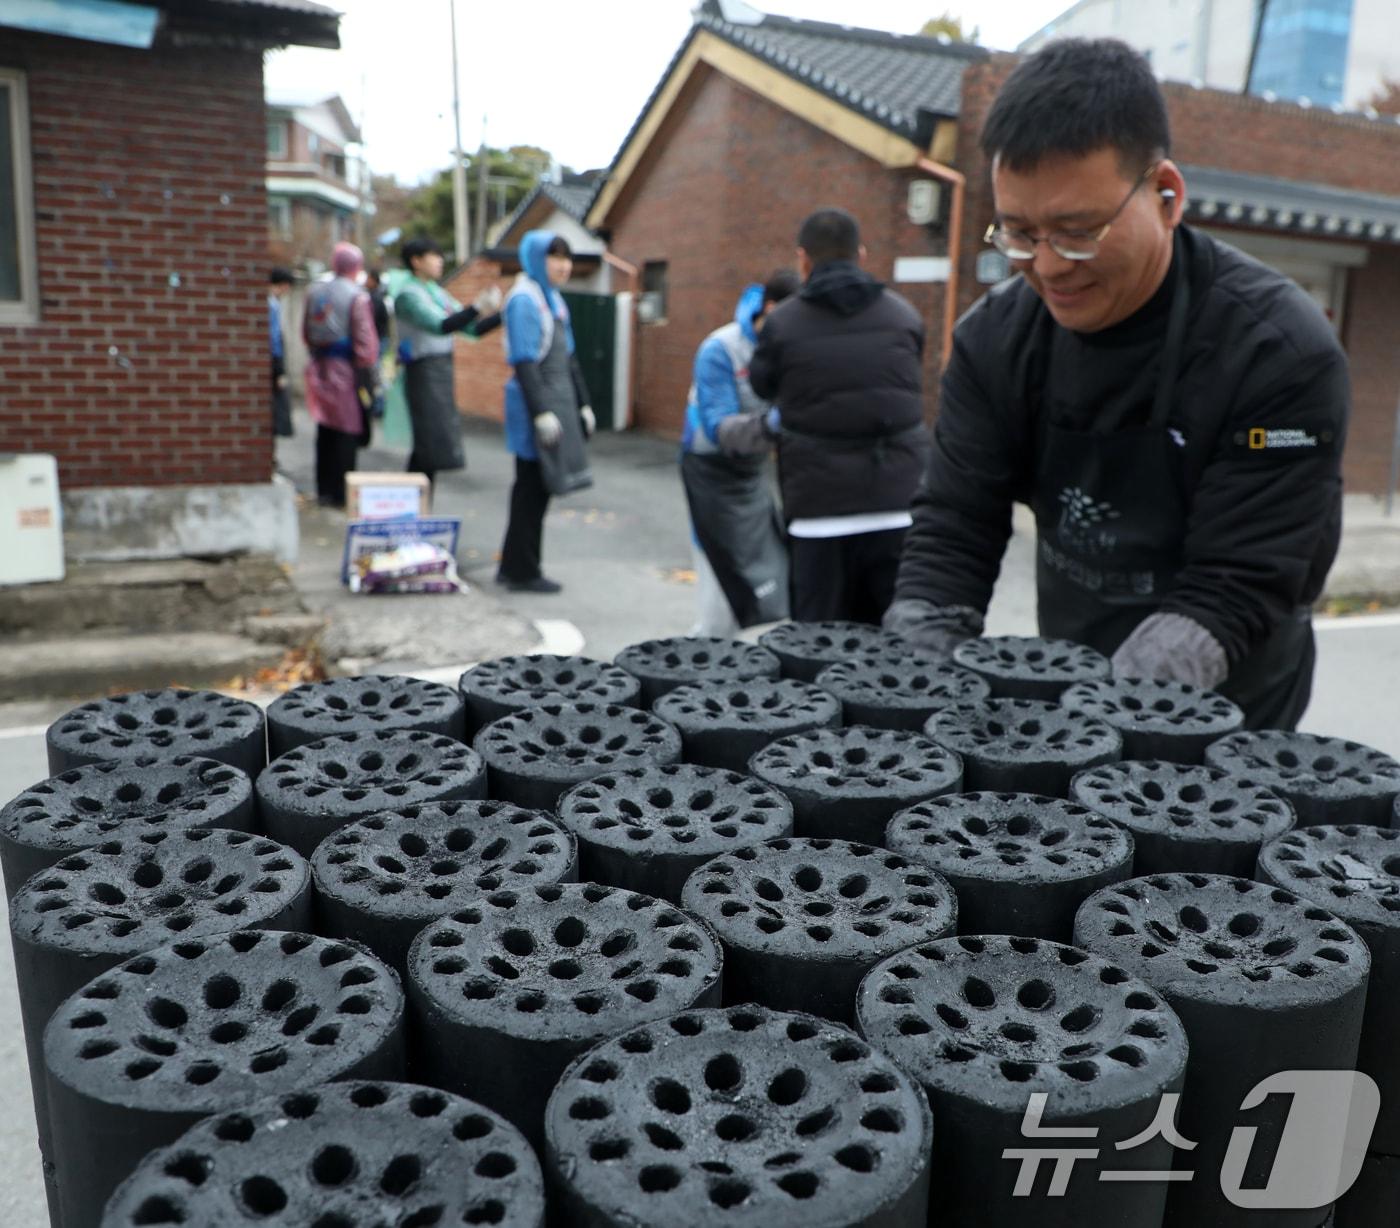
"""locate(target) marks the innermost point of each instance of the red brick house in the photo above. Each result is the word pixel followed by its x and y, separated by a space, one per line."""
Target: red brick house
pixel 760 119
pixel 318 186
pixel 133 266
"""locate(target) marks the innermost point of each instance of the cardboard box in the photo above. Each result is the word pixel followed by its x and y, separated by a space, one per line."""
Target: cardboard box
pixel 385 496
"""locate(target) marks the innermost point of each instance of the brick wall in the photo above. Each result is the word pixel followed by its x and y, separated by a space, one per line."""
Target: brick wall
pixel 479 370
pixel 147 165
pixel 720 199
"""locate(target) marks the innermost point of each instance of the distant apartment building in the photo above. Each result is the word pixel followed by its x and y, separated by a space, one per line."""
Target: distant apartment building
pixel 318 186
pixel 1330 52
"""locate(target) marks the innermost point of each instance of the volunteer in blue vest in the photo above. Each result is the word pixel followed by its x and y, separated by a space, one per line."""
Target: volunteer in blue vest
pixel 1172 411
pixel 548 417
pixel 741 562
pixel 338 328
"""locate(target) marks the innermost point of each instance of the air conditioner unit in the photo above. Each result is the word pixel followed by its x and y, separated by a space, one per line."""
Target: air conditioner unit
pixel 925 202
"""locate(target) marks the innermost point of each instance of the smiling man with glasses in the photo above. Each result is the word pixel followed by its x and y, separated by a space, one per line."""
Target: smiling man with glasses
pixel 1171 410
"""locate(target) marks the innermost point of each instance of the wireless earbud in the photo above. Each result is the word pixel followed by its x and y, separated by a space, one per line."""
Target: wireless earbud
pixel 1168 195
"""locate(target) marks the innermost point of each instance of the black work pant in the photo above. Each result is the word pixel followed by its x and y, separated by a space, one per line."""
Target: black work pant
pixel 845 577
pixel 335 457
pixel 520 552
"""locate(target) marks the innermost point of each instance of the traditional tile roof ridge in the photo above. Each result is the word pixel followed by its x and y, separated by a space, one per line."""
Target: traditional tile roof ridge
pixel 889 78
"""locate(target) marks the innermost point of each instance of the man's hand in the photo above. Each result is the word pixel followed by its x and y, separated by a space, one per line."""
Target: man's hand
pixel 590 422
pixel 548 430
pixel 1172 648
pixel 488 301
pixel 281 381
pixel 934 628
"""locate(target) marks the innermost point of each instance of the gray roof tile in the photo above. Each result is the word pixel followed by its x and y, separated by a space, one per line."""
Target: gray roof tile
pixel 887 77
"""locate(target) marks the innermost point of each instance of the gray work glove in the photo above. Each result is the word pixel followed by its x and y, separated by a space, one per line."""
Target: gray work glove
pixel 744 435
pixel 548 429
pixel 935 628
pixel 1172 648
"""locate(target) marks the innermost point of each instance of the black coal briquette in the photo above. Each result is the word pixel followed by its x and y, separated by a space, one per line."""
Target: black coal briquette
pixel 165 723
pixel 363 704
pixel 660 665
pixel 507 992
pixel 899 687
pixel 381 880
pixel 745 1118
pixel 1183 817
pixel 338 1155
pixel 1327 780
pixel 115 799
pixel 1020 864
pixel 323 786
pixel 203 1026
pixel 1158 720
pixel 498 687
pixel 1029 666
pixel 1263 981
pixel 724 725
pixel 535 756
pixel 803 920
pixel 983 1023
pixel 94 909
pixel 1355 872
pixel 805 649
pixel 847 783
pixel 1023 745
pixel 647 829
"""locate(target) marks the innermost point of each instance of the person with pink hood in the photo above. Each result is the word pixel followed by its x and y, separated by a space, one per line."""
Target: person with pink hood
pixel 338 328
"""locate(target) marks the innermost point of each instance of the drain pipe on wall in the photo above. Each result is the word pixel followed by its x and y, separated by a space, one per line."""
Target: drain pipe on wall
pixel 955 226
pixel 630 272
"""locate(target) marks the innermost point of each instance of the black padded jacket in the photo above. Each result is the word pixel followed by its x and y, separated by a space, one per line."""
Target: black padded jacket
pixel 1261 407
pixel 842 362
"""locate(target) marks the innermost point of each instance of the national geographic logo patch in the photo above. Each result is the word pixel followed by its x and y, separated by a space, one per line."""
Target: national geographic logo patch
pixel 1278 443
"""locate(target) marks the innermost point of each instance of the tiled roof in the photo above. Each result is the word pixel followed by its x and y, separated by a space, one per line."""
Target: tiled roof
pixel 573 199
pixel 1289 207
pixel 888 78
pixel 291 6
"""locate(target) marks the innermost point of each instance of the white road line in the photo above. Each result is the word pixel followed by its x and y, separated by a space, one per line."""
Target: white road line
pixel 24 731
pixel 1356 622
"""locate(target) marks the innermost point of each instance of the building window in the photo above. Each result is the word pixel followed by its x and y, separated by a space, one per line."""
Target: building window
pixel 279 216
pixel 652 309
pixel 277 138
pixel 335 165
pixel 19 293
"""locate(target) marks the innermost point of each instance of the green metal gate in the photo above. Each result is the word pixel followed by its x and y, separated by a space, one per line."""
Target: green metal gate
pixel 595 342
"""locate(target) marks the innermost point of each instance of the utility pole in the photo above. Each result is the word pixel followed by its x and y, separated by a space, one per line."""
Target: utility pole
pixel 1261 8
pixel 461 236
pixel 481 190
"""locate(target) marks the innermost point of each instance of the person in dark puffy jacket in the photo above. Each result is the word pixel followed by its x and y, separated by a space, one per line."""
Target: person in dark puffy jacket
pixel 1172 411
pixel 842 360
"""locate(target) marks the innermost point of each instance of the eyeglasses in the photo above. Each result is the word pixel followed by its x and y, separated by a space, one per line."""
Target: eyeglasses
pixel 1067 244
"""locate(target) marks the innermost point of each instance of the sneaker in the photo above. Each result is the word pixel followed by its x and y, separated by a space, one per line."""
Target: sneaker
pixel 538 585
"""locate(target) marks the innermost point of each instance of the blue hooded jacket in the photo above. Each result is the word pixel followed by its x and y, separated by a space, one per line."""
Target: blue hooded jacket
pixel 720 385
pixel 525 334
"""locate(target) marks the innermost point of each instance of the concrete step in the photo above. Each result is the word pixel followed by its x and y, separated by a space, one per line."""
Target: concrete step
pixel 179 595
pixel 87 667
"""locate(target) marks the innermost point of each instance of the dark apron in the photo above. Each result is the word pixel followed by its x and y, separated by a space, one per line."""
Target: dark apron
pixel 564 467
pixel 432 407
pixel 1111 517
pixel 738 527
